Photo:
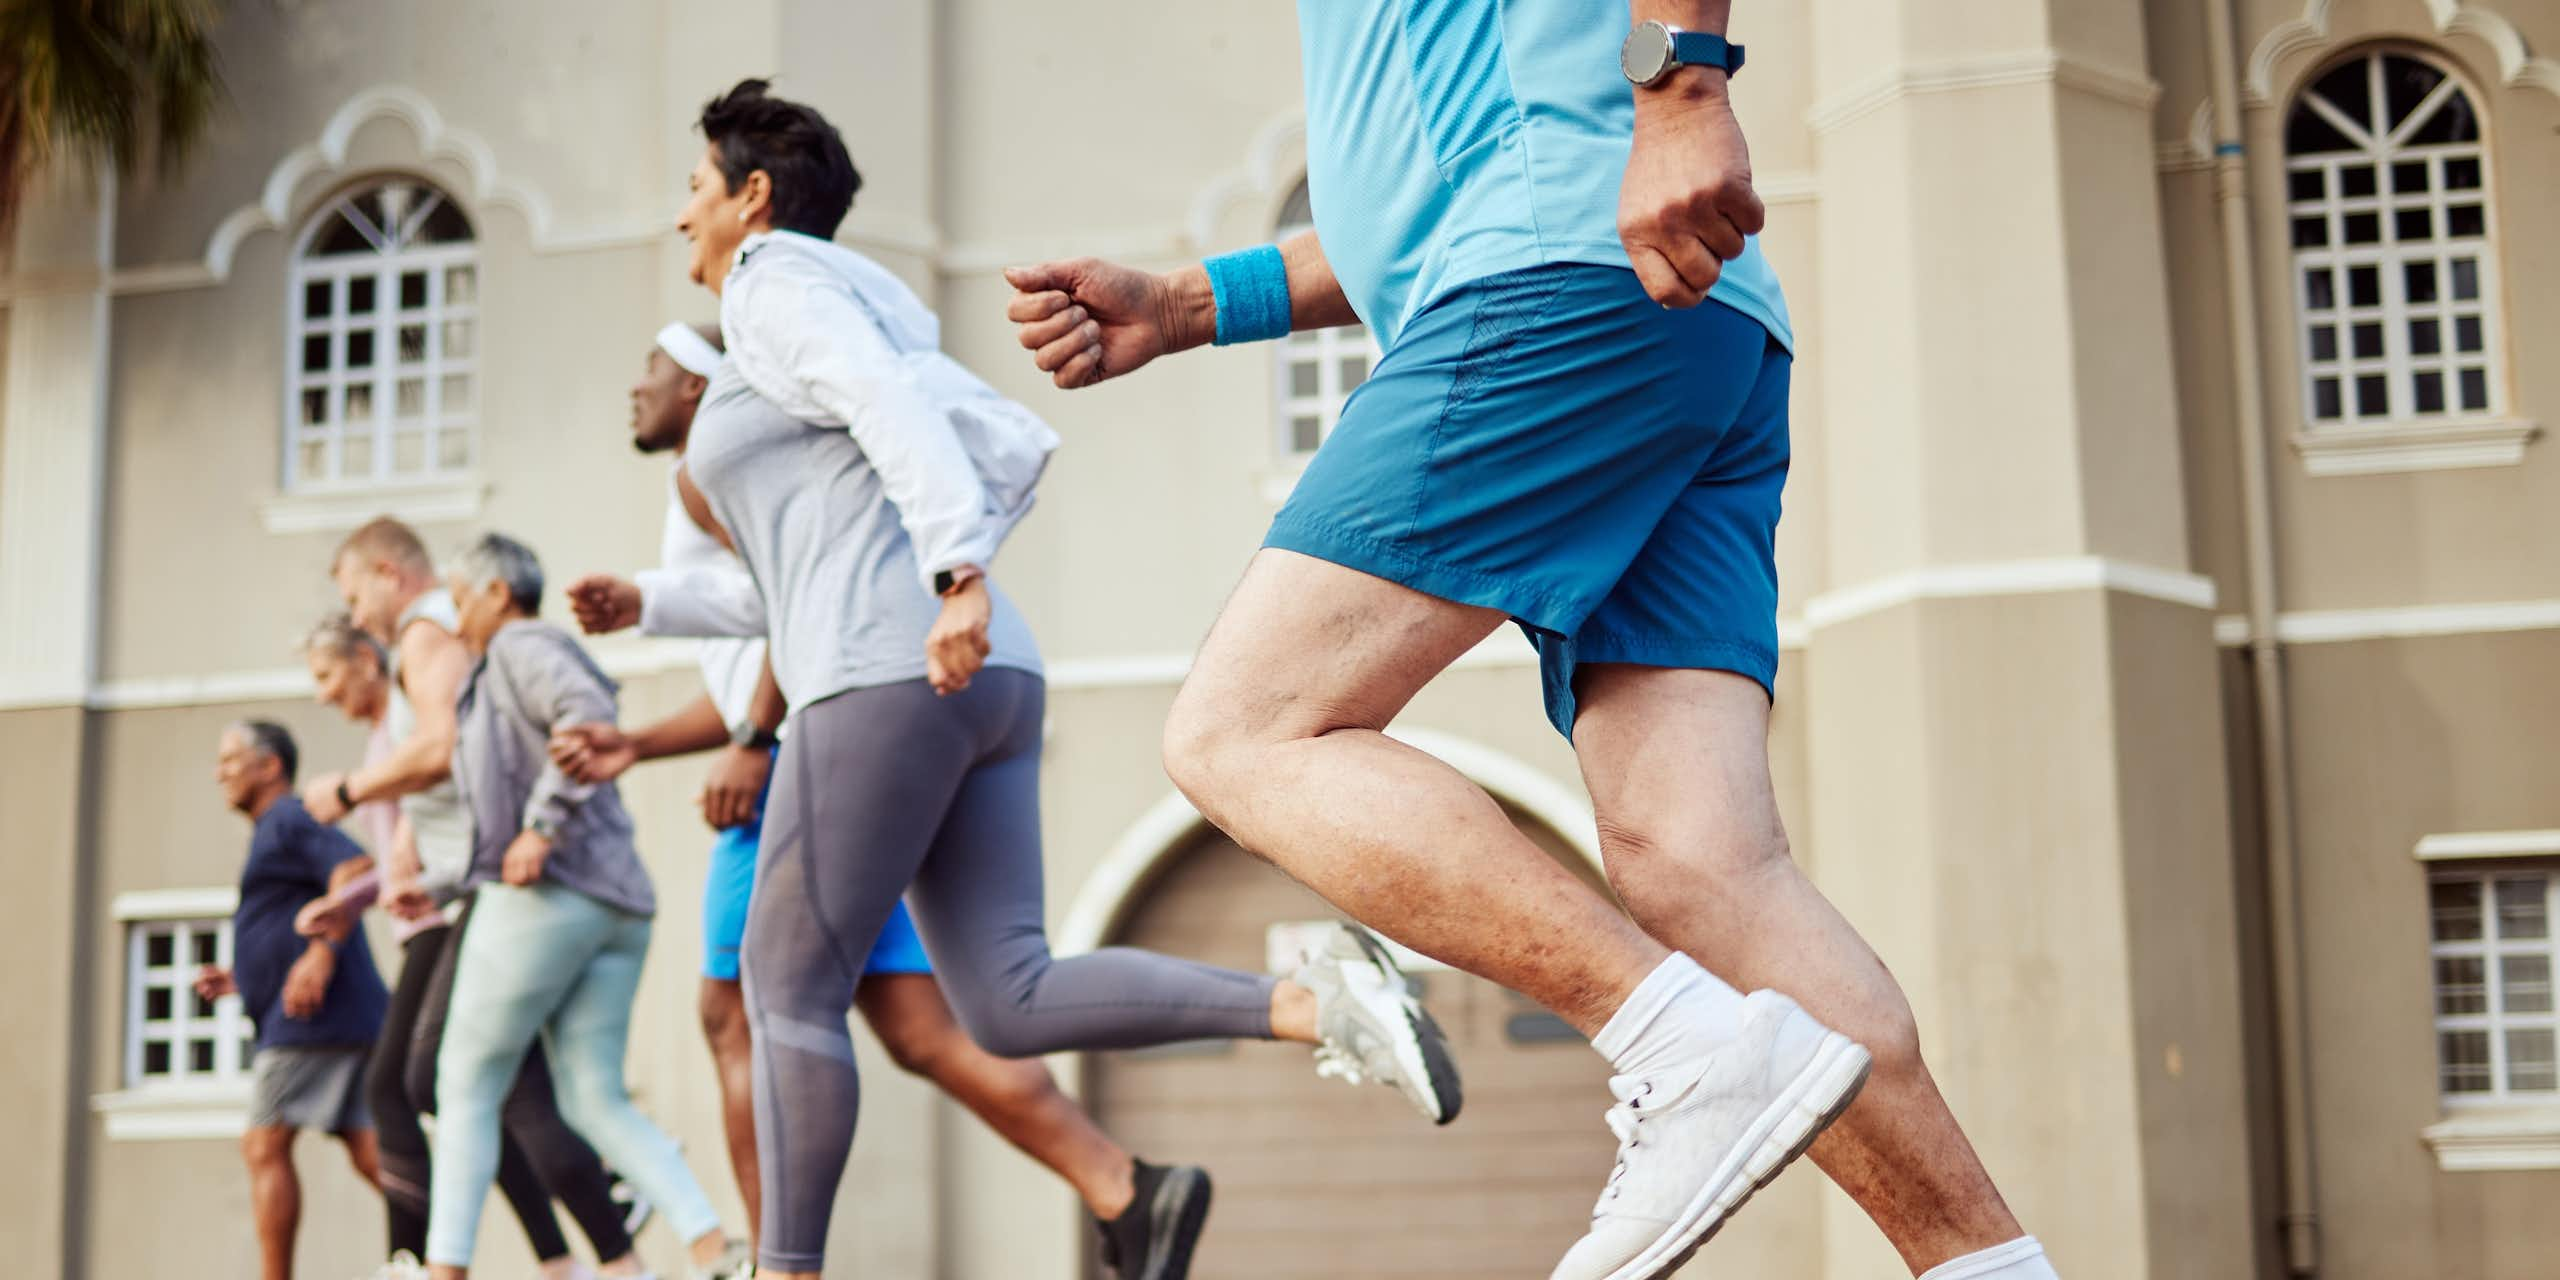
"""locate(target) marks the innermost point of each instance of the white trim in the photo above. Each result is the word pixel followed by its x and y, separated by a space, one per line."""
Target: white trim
pixel 1149 843
pixel 2490 1141
pixel 2398 623
pixel 333 510
pixel 2330 450
pixel 156 1113
pixel 2517 65
pixel 2007 578
pixel 2033 66
pixel 622 657
pixel 2447 846
pixel 175 904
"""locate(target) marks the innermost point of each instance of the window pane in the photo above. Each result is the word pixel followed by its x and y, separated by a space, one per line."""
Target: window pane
pixel 2363 228
pixel 2409 177
pixel 2324 399
pixel 360 402
pixel 453 450
pixel 315 406
pixel 2311 232
pixel 1304 378
pixel 2324 342
pixel 2521 909
pixel 315 353
pixel 198 1006
pixel 2373 396
pixel 200 1057
pixel 159 949
pixel 2414 224
pixel 204 944
pixel 2454 907
pixel 2309 184
pixel 355 455
pixel 2428 390
pixel 155 1058
pixel 456 393
pixel 316 299
pixel 2426 337
pixel 2405 82
pixel 2307 132
pixel 313 460
pixel 409 452
pixel 2319 288
pixel 2524 984
pixel 413 343
pixel 443 225
pixel 2462 173
pixel 2369 341
pixel 2419 281
pixel 1354 371
pixel 2462 986
pixel 1306 431
pixel 2466 333
pixel 158 1003
pixel 413 290
pixel 2349 89
pixel 2451 122
pixel 2529 1065
pixel 461 286
pixel 2475 395
pixel 2466 279
pixel 2364 286
pixel 2356 180
pixel 409 399
pixel 457 339
pixel 2464 220
pixel 2465 1059
pixel 360 291
pixel 360 349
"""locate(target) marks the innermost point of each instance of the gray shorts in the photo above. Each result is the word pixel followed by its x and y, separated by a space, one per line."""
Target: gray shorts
pixel 309 1087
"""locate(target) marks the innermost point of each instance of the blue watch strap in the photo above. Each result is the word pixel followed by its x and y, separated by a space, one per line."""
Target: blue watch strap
pixel 1705 49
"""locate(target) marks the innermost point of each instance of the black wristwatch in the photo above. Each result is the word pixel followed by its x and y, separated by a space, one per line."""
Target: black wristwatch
pixel 753 736
pixel 345 800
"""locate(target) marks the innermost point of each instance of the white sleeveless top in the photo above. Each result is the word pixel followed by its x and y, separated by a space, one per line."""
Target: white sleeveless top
pixel 437 815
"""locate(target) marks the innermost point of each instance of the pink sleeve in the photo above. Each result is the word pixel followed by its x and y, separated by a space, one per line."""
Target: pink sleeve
pixel 378 817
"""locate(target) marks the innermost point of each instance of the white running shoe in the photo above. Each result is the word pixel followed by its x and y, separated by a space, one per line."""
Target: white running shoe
pixel 403 1265
pixel 1371 1026
pixel 1695 1140
pixel 737 1262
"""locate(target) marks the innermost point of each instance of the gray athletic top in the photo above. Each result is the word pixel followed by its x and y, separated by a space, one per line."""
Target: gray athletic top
pixel 845 606
pixel 442 824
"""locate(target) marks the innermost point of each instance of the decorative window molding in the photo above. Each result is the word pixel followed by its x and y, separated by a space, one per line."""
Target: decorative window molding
pixel 382 334
pixel 186 1060
pixel 1316 370
pixel 456 499
pixel 2395 277
pixel 2465 845
pixel 2309 35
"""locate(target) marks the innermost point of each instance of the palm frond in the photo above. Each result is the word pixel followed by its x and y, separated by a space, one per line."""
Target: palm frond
pixel 107 82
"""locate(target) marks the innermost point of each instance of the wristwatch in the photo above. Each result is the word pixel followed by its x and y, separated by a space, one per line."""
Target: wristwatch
pixel 544 827
pixel 754 737
pixel 1654 50
pixel 947 581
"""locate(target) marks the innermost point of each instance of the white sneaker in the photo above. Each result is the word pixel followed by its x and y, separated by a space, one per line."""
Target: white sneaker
pixel 1371 1026
pixel 1695 1140
pixel 403 1265
pixel 737 1262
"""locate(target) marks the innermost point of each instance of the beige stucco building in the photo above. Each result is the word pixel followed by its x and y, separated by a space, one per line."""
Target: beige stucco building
pixel 2171 570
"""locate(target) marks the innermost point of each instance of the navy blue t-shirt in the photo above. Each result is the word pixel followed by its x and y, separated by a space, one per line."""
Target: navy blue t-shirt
pixel 290 858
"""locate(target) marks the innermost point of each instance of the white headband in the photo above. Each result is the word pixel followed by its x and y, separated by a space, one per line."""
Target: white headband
pixel 687 348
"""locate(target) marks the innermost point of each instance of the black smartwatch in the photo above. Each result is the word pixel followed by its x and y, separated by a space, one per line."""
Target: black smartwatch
pixel 345 801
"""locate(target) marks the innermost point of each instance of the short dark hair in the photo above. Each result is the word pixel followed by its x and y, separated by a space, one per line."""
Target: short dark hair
pixel 801 154
pixel 272 741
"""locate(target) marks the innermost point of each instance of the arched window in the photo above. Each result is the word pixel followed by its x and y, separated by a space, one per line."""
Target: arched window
pixel 382 339
pixel 1319 368
pixel 2395 277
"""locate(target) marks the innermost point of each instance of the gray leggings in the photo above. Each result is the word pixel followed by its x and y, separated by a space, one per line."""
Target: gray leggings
pixel 885 788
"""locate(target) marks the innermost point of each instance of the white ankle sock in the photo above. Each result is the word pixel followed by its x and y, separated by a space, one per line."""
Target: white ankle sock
pixel 2020 1259
pixel 1680 1011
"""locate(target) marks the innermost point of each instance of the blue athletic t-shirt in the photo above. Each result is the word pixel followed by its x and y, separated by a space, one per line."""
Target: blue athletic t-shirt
pixel 1449 140
pixel 290 858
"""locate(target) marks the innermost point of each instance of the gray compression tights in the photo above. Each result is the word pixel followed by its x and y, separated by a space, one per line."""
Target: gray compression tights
pixel 882 788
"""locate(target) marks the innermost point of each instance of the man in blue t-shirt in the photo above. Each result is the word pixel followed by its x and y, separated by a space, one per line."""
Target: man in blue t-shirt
pixel 316 1001
pixel 1544 210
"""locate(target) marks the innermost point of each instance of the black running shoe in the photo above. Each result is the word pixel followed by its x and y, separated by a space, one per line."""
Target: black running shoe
pixel 1152 1238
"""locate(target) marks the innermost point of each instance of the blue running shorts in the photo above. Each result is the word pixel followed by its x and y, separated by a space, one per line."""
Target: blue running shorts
pixel 730 884
pixel 1552 443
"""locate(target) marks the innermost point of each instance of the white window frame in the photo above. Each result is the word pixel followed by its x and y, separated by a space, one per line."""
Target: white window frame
pixel 2501 1129
pixel 2402 436
pixel 182 1102
pixel 1325 350
pixel 390 259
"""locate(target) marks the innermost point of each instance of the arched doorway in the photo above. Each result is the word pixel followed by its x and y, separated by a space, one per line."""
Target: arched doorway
pixel 1318 1179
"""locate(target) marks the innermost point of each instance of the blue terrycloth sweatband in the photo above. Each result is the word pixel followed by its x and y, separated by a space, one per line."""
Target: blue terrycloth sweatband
pixel 1251 287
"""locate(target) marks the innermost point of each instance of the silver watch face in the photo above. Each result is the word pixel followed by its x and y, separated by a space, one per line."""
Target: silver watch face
pixel 1646 56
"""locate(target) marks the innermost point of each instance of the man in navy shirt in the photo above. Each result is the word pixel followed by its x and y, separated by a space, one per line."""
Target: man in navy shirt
pixel 317 1001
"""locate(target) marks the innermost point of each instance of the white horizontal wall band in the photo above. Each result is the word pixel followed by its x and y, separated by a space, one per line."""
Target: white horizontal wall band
pixel 2333 626
pixel 174 904
pixel 2007 578
pixel 2487 844
pixel 2034 66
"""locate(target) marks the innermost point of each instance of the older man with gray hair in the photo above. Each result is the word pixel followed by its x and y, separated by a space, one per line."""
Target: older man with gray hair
pixel 560 920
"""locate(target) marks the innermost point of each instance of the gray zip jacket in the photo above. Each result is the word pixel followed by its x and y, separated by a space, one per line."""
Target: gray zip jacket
pixel 533 679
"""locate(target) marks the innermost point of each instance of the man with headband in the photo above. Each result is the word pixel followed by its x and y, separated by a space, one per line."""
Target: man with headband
pixel 898 996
